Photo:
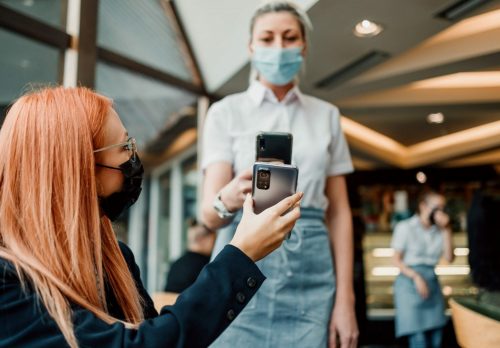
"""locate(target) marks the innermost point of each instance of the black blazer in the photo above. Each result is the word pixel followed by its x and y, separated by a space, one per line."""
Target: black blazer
pixel 198 317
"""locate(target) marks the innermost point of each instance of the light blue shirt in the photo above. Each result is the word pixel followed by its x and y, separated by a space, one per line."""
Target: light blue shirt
pixel 419 245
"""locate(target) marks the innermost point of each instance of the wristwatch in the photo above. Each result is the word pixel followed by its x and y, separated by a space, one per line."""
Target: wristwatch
pixel 220 208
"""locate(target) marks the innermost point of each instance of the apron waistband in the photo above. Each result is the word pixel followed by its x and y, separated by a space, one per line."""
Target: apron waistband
pixel 305 213
pixel 312 213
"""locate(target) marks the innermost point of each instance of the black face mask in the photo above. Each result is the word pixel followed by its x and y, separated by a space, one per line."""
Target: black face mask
pixel 115 204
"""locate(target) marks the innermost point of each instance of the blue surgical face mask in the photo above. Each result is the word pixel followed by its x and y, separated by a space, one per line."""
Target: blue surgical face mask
pixel 277 65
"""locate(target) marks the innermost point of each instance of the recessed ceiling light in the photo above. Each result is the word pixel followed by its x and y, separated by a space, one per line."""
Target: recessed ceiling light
pixel 436 118
pixel 421 177
pixel 367 28
pixel 28 3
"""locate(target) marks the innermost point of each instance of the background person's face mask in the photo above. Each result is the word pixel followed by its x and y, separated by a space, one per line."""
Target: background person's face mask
pixel 116 203
pixel 277 65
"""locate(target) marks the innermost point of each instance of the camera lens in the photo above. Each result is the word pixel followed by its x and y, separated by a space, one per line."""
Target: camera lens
pixel 263 179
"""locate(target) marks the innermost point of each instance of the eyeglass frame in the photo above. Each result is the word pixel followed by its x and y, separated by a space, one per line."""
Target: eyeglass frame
pixel 131 143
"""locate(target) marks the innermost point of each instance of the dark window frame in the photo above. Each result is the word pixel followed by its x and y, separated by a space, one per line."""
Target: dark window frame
pixel 89 52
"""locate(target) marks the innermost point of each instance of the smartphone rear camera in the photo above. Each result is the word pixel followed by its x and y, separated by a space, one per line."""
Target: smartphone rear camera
pixel 262 144
pixel 263 179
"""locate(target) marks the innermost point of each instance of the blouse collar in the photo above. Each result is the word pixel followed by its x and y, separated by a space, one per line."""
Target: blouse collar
pixel 258 93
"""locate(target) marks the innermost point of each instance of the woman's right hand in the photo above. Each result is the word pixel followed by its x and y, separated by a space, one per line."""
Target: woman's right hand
pixel 259 235
pixel 233 194
pixel 421 286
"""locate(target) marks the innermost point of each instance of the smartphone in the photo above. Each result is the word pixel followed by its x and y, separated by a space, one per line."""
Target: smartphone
pixel 432 220
pixel 271 183
pixel 274 146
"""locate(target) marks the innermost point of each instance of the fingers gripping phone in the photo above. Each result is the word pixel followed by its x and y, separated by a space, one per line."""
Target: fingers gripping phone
pixel 274 146
pixel 272 183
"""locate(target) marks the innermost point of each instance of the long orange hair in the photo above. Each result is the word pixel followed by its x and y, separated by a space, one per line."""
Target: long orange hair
pixel 50 226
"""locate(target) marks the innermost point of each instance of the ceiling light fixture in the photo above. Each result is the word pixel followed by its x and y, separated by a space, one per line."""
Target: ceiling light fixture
pixel 421 177
pixel 435 118
pixel 367 28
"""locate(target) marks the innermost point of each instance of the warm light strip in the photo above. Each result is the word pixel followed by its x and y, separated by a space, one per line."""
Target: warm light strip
pixel 452 270
pixel 383 252
pixel 430 151
pixel 440 270
pixel 368 134
pixel 461 80
pixel 372 142
pixel 389 252
pixel 470 26
pixel 474 160
pixel 455 144
pixel 461 251
pixel 385 271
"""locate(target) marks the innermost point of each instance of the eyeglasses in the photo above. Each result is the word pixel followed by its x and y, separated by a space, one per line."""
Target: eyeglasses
pixel 130 145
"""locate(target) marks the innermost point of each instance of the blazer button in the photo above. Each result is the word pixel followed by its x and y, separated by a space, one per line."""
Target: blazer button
pixel 231 315
pixel 251 282
pixel 240 297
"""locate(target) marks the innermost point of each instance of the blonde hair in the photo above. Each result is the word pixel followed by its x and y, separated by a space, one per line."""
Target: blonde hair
pixel 284 6
pixel 50 226
pixel 296 11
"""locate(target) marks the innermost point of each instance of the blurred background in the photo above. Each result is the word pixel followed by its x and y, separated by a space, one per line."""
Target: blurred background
pixel 417 83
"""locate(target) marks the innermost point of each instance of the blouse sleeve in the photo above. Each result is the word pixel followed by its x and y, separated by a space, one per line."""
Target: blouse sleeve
pixel 216 138
pixel 399 237
pixel 339 157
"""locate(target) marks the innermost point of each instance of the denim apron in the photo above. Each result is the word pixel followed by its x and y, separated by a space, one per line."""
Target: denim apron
pixel 294 304
pixel 413 313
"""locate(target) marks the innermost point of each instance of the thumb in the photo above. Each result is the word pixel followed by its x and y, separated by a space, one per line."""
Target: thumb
pixel 248 204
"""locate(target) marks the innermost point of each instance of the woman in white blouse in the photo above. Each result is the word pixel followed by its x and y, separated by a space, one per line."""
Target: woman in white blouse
pixel 314 267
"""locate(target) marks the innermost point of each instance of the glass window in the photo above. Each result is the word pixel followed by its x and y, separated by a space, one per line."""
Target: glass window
pixel 141 31
pixel 189 184
pixel 25 62
pixel 144 104
pixel 52 12
pixel 163 240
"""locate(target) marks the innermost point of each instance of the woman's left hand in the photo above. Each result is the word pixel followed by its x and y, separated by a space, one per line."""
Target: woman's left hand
pixel 343 327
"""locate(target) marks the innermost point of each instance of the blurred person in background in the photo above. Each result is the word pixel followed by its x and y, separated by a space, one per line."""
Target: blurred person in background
pixel 309 299
pixel 419 242
pixel 68 168
pixel 185 270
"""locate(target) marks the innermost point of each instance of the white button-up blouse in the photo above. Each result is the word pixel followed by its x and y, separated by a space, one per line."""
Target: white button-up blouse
pixel 319 147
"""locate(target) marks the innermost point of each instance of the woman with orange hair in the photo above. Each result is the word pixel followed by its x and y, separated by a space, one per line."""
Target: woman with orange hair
pixel 68 167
